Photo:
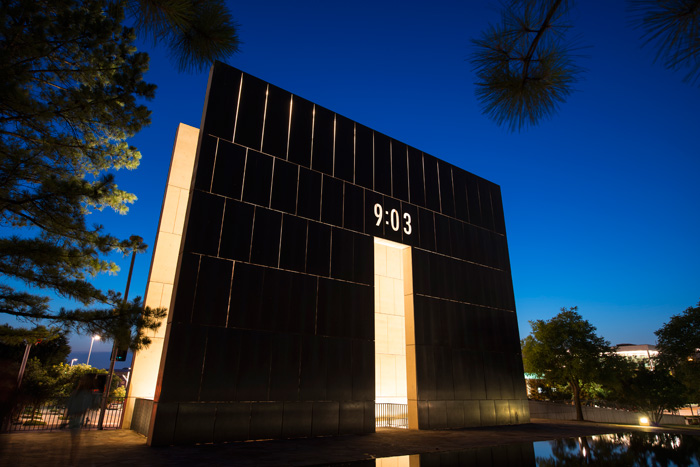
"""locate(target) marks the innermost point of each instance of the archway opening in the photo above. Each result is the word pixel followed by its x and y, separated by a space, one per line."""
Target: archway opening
pixel 393 335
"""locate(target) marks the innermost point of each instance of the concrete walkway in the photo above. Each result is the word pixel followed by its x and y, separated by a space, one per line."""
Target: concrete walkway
pixel 125 447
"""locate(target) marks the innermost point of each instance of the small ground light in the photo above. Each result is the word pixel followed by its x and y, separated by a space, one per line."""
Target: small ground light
pixel 644 421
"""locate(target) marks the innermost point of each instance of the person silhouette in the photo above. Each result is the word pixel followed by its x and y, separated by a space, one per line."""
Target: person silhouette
pixel 80 401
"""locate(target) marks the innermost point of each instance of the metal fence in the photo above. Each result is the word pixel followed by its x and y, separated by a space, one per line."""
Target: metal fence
pixel 391 415
pixel 53 415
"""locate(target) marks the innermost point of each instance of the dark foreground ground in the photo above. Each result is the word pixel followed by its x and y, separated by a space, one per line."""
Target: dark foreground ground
pixel 125 447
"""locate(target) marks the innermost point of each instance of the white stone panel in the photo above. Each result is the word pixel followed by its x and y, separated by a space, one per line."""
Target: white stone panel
pixel 393 263
pixel 390 323
pixel 159 289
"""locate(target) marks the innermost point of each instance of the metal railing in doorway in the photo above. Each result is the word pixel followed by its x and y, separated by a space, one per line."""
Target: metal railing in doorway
pixel 54 415
pixel 391 415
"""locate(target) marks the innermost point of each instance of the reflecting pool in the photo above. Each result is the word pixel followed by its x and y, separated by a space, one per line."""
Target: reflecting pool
pixel 625 449
pixel 621 449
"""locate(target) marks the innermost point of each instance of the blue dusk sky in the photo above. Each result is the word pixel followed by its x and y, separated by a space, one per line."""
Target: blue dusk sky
pixel 601 201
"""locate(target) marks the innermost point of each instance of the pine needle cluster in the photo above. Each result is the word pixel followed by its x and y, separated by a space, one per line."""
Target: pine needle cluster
pixel 196 32
pixel 524 65
pixel 673 27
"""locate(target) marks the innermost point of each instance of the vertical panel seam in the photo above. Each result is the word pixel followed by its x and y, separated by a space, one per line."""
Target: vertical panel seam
pixel 238 106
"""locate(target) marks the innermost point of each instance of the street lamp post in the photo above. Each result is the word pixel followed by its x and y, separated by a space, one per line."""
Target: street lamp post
pixel 27 346
pixel 73 361
pixel 94 338
pixel 137 247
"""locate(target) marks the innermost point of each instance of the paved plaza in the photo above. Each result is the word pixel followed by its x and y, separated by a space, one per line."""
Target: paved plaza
pixel 125 447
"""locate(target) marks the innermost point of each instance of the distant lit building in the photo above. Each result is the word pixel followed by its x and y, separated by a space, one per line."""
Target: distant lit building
pixel 641 353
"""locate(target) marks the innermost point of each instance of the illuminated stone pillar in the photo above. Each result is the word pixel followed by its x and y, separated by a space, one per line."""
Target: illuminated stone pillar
pixel 166 250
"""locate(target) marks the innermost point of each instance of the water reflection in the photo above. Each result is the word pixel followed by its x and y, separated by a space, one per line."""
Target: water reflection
pixel 625 449
pixel 633 449
pixel 509 455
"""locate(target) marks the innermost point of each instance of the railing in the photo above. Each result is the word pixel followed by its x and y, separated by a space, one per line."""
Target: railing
pixel 391 415
pixel 54 415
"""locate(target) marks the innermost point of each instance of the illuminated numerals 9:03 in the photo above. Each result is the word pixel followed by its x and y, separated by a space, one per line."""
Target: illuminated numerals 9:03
pixel 393 218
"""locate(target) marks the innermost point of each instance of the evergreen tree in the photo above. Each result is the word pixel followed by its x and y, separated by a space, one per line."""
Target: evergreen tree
pixel 673 28
pixel 71 97
pixel 197 32
pixel 525 67
pixel 72 82
pixel 72 79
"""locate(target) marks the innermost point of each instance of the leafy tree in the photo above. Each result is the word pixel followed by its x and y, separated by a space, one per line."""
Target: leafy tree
pixel 525 67
pixel 44 384
pixel 542 390
pixel 38 385
pixel 47 347
pixel 50 346
pixel 679 339
pixel 679 348
pixel 119 391
pixel 566 351
pixel 688 373
pixel 66 377
pixel 653 392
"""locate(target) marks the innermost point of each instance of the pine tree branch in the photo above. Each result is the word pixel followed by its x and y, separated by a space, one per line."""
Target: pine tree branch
pixel 540 32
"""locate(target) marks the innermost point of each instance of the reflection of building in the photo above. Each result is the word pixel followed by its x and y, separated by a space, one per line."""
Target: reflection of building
pixel 323 267
pixel 641 353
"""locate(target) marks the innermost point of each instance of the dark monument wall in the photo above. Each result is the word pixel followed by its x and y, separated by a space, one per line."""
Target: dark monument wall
pixel 271 329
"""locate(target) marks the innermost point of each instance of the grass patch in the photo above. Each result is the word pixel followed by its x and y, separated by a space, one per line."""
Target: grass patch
pixel 34 423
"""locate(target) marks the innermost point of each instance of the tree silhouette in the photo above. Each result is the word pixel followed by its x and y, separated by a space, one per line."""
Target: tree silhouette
pixel 196 32
pixel 673 28
pixel 566 350
pixel 525 66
